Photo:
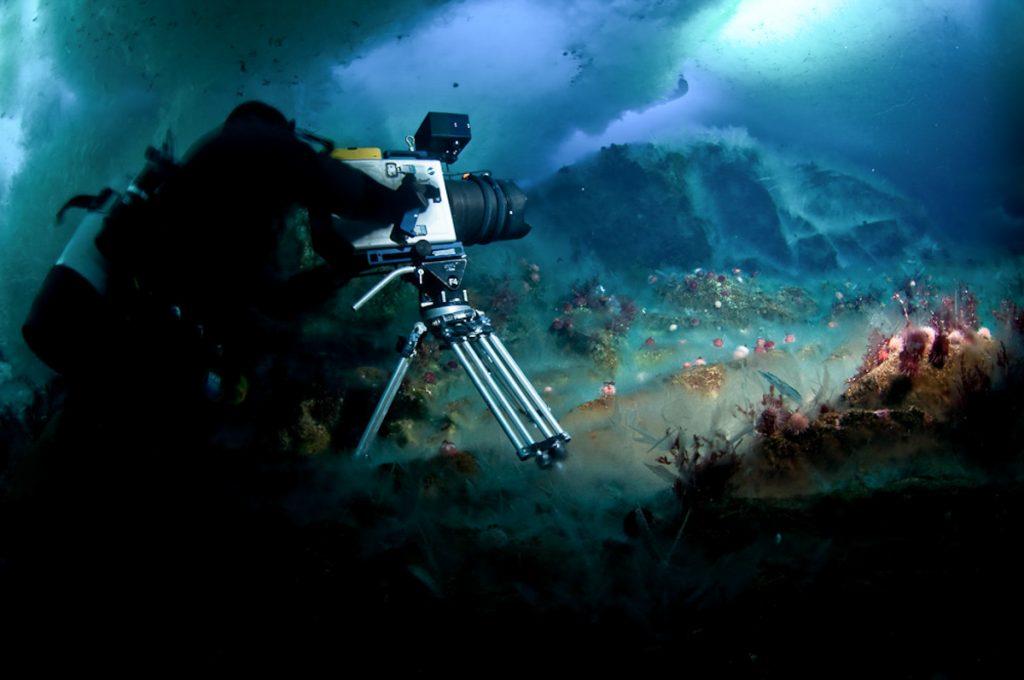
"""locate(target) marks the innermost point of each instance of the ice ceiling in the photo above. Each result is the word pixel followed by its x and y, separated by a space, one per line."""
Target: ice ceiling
pixel 921 93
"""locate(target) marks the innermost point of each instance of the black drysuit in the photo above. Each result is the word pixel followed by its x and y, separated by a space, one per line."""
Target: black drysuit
pixel 195 281
pixel 129 496
pixel 208 241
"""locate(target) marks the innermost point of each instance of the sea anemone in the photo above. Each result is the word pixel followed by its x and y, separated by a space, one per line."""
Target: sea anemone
pixel 914 342
pixel 797 423
pixel 771 420
pixel 940 350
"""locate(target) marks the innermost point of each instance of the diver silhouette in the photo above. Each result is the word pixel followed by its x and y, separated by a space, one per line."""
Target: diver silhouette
pixel 191 291
pixel 128 502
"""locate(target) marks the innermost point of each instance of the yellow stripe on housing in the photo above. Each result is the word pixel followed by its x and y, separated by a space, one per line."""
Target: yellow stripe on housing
pixel 357 153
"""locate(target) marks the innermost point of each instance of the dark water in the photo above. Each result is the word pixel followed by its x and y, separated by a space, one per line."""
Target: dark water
pixel 778 308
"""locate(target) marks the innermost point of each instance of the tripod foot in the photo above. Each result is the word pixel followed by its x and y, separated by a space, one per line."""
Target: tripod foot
pixel 548 452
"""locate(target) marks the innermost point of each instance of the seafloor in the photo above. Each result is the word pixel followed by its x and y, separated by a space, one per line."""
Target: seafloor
pixel 796 424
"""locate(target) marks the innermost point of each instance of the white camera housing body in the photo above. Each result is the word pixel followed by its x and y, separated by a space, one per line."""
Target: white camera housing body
pixel 434 224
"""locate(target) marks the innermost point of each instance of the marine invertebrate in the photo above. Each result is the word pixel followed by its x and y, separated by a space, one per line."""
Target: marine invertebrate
pixel 915 340
pixel 774 416
pixel 957 312
pixel 940 350
pixel 796 424
pixel 876 352
pixel 503 302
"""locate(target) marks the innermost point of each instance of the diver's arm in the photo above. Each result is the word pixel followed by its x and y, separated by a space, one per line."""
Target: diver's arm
pixel 352 194
pixel 355 195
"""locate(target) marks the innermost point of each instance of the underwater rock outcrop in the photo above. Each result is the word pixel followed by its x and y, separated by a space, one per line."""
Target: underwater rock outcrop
pixel 925 369
pixel 726 205
pixel 593 322
pixel 627 203
pixel 704 380
pixel 734 298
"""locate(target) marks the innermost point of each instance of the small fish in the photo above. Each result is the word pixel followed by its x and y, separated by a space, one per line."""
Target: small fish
pixel 784 388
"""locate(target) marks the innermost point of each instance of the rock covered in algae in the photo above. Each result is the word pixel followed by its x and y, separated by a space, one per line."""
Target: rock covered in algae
pixel 445 475
pixel 371 376
pixel 652 355
pixel 440 477
pixel 602 403
pixel 732 298
pixel 403 431
pixel 905 373
pixel 310 434
pixel 705 380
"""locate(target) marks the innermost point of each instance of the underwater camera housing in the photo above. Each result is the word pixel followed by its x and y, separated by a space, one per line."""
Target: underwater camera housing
pixel 426 249
pixel 466 209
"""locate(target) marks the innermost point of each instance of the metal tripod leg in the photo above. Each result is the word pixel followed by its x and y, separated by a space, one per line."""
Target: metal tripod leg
pixel 551 446
pixel 521 387
pixel 510 396
pixel 407 351
pixel 495 399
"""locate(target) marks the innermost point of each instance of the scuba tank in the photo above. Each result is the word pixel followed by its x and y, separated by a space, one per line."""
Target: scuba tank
pixel 71 321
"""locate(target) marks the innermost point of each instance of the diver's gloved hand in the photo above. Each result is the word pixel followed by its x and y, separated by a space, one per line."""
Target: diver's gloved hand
pixel 411 196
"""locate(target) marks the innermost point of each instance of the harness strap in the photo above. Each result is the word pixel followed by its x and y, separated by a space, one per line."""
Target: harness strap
pixel 90 202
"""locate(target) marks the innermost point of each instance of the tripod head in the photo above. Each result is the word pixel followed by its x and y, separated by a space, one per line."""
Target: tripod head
pixel 445 312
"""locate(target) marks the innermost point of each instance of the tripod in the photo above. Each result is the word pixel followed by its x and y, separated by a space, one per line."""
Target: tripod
pixel 502 385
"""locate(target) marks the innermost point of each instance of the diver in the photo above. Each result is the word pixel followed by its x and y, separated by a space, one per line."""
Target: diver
pixel 168 315
pixel 167 297
pixel 179 285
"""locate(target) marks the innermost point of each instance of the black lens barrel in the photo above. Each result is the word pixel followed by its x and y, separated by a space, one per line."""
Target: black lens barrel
pixel 485 209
